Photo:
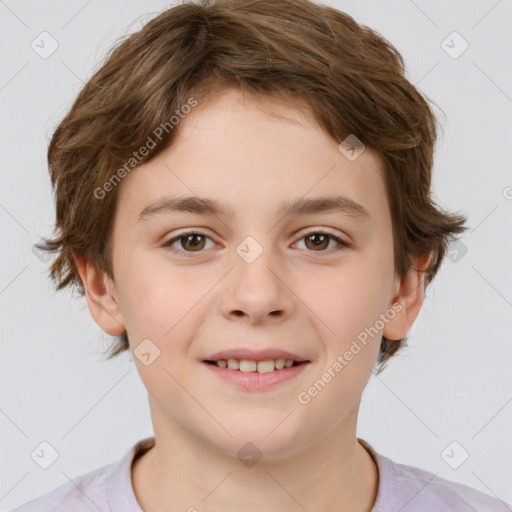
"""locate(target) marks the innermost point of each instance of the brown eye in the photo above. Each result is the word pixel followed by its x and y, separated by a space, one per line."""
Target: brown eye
pixel 188 243
pixel 192 242
pixel 318 241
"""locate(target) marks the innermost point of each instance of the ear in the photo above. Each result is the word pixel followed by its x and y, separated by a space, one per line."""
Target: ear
pixel 409 294
pixel 101 296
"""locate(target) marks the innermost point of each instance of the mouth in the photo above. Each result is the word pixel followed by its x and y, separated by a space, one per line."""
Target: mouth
pixel 253 366
pixel 260 373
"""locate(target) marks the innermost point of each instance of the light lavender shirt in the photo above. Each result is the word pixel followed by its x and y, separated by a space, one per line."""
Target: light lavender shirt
pixel 401 489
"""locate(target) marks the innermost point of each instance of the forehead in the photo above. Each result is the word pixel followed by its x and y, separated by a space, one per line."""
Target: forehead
pixel 253 154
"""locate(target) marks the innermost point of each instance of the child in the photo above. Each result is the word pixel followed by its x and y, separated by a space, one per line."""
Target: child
pixel 285 137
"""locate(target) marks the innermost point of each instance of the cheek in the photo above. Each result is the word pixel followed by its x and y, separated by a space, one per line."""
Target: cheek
pixel 160 302
pixel 351 298
pixel 151 298
pixel 348 311
pixel 349 305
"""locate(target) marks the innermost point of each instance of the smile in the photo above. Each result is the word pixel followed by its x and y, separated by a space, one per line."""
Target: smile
pixel 246 365
pixel 256 375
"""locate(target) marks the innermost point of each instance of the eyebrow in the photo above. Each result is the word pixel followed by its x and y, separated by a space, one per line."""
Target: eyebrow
pixel 299 206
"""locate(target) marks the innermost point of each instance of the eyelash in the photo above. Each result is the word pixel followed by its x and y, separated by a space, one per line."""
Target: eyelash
pixel 191 254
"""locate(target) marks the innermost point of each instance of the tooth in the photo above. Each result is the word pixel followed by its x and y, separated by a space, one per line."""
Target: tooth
pixel 266 366
pixel 247 366
pixel 233 364
pixel 279 364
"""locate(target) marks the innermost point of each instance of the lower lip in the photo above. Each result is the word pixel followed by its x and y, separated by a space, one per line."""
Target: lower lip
pixel 254 381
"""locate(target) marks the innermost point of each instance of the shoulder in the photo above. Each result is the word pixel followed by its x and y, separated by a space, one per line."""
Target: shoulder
pixel 418 490
pixel 82 493
pixel 106 488
pixel 424 488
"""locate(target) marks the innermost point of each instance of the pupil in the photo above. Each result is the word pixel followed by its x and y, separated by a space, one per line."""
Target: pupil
pixel 318 239
pixel 194 240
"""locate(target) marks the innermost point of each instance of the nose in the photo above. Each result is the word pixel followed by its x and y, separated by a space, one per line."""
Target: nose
pixel 256 290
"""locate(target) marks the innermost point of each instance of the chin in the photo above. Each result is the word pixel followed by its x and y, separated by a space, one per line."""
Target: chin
pixel 266 436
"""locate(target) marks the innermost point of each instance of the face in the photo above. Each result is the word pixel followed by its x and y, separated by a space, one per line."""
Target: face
pixel 254 276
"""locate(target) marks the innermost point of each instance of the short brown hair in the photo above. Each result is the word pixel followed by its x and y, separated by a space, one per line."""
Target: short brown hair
pixel 308 55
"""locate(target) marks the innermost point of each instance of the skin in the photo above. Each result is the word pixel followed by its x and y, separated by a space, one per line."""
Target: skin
pixel 311 301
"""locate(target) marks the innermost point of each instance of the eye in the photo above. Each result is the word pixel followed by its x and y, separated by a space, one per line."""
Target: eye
pixel 318 241
pixel 190 242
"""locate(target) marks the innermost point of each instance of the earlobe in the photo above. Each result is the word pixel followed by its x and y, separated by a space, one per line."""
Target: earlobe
pixel 408 299
pixel 101 296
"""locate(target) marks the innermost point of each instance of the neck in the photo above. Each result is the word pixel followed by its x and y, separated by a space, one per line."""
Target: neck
pixel 189 473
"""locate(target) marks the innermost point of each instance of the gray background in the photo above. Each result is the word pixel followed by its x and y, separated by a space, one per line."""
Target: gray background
pixel 452 383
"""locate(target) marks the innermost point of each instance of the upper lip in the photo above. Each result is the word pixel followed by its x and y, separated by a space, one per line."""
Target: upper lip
pixel 254 355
